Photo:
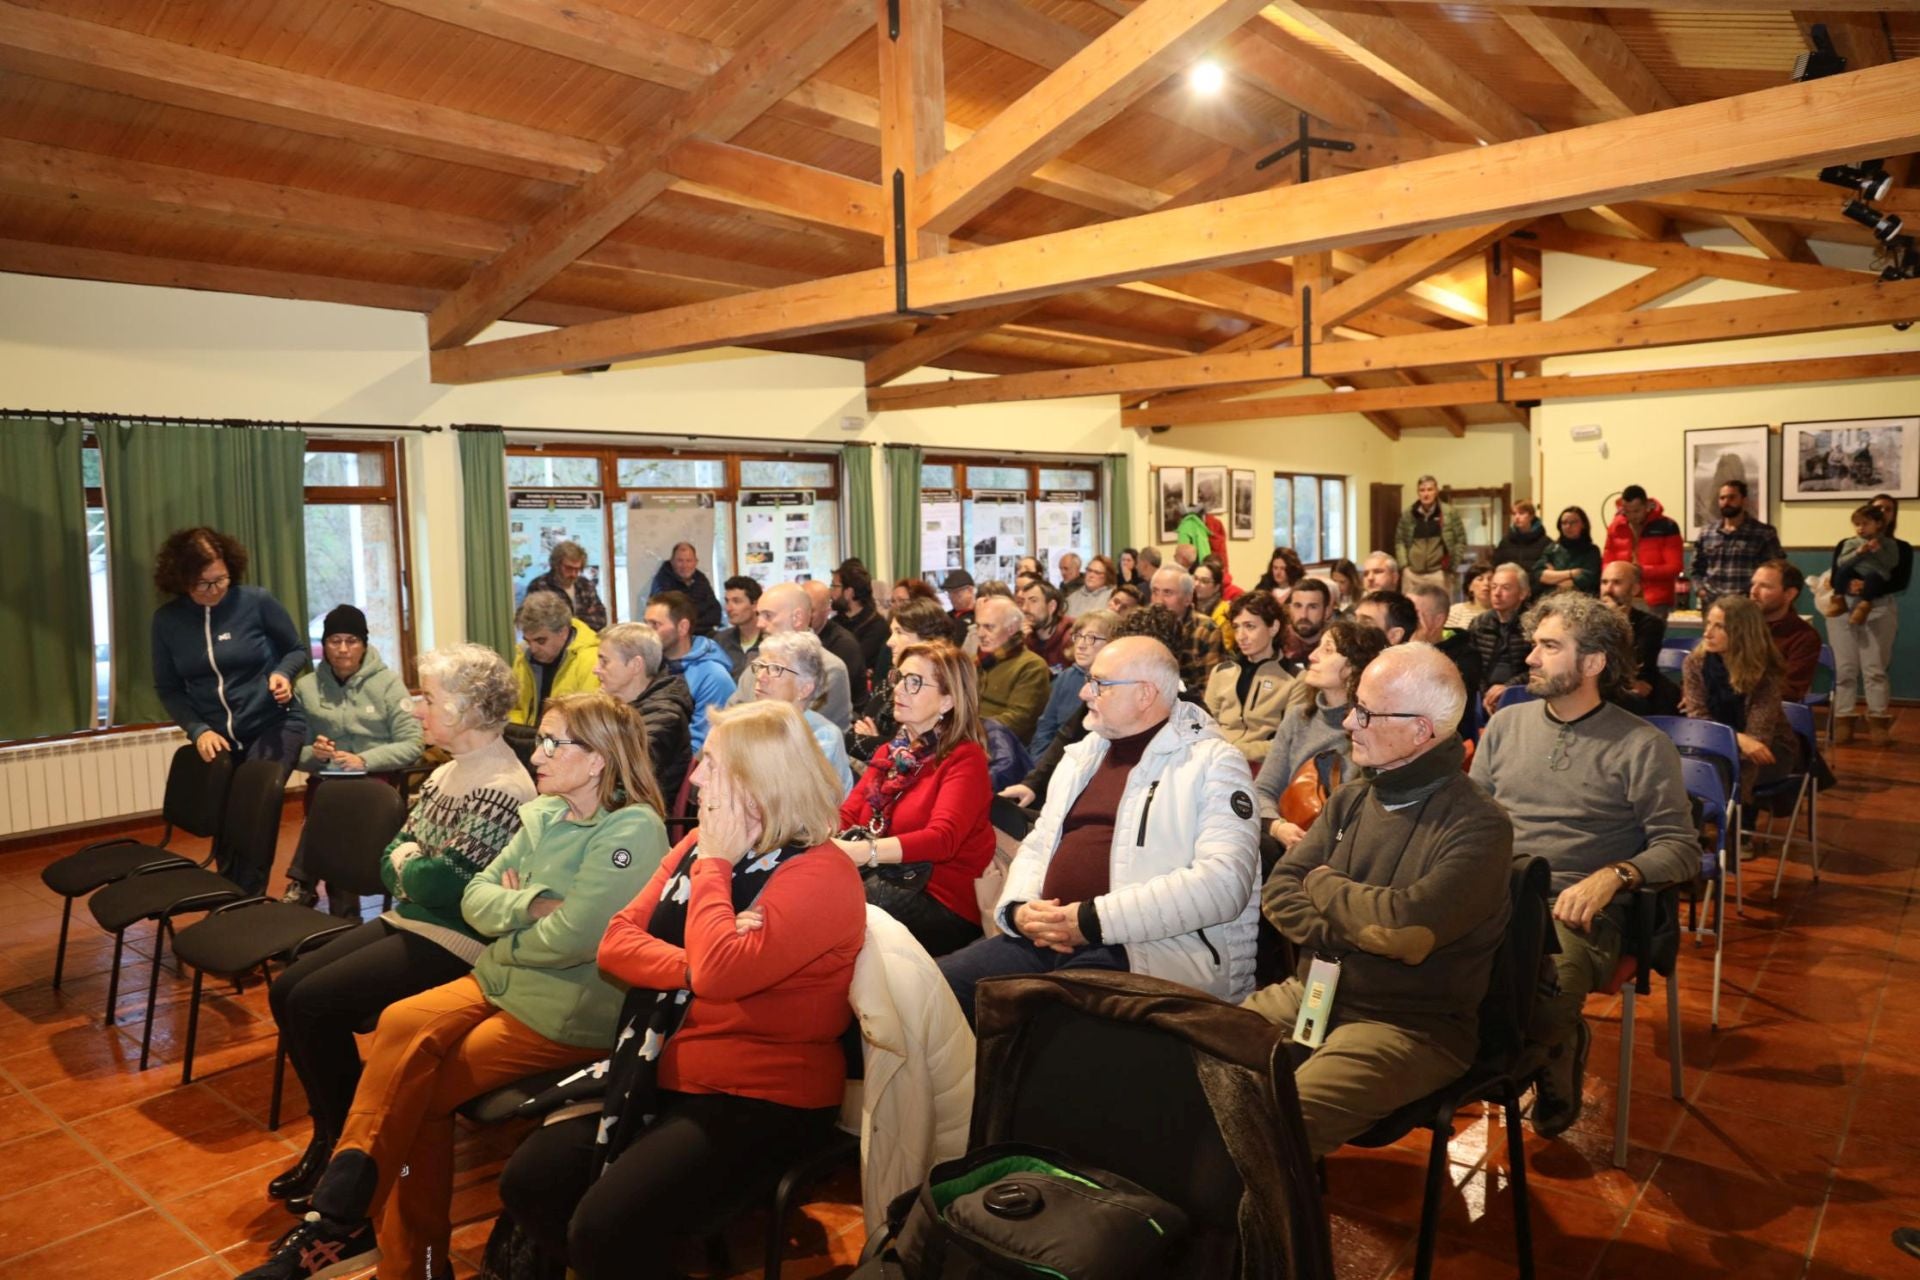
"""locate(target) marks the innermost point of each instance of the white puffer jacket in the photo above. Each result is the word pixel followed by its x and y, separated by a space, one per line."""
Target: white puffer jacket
pixel 917 1098
pixel 1183 895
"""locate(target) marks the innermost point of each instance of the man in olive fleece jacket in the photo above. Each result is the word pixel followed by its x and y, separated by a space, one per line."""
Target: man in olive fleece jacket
pixel 1403 881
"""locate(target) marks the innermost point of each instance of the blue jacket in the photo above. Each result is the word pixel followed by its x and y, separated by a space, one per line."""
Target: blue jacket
pixel 709 676
pixel 210 665
pixel 1061 704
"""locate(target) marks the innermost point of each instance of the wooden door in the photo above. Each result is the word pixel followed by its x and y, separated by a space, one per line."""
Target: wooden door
pixel 1383 519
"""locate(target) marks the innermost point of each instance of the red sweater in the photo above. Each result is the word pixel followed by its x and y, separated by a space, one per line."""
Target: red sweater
pixel 943 818
pixel 770 1004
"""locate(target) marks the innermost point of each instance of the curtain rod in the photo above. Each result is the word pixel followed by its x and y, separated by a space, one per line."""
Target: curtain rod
pixel 258 424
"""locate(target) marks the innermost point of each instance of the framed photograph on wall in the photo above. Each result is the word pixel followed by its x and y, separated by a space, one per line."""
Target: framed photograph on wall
pixel 1716 455
pixel 1241 526
pixel 1170 483
pixel 1210 489
pixel 1849 460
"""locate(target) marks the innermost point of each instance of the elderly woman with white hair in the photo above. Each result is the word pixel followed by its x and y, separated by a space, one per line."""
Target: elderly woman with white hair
pixel 792 668
pixel 466 814
pixel 632 667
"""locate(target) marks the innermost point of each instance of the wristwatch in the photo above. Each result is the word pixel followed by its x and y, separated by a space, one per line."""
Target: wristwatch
pixel 873 853
pixel 1625 871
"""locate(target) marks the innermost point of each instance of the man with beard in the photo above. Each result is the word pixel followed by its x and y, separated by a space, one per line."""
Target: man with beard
pixel 1775 588
pixel 1597 792
pixel 853 607
pixel 1645 691
pixel 1309 607
pixel 741 637
pixel 1728 552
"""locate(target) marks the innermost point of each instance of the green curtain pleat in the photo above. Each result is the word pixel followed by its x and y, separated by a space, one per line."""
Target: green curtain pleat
pixel 1119 502
pixel 483 477
pixel 903 501
pixel 158 477
pixel 860 534
pixel 46 620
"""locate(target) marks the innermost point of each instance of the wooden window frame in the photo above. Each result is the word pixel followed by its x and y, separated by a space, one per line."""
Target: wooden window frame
pixel 1320 479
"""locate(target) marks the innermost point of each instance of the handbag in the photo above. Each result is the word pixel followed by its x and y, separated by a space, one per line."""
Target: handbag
pixel 1017 1210
pixel 1305 794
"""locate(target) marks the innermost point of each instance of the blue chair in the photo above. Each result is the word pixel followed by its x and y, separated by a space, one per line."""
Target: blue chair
pixel 1708 789
pixel 1804 792
pixel 1824 697
pixel 1512 696
pixel 1719 746
pixel 1681 644
pixel 1672 660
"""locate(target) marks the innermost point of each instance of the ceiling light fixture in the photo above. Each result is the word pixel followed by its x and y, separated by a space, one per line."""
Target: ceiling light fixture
pixel 1821 60
pixel 1207 78
pixel 1885 226
pixel 1868 178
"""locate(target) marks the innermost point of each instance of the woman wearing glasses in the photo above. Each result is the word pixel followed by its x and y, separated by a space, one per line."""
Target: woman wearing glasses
pixel 1091 631
pixel 536 998
pixel 225 655
pixel 468 810
pixel 791 668
pixel 1312 727
pixel 913 621
pixel 917 823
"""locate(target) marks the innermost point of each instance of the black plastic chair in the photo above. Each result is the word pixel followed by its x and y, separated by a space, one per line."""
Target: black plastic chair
pixel 196 799
pixel 249 830
pixel 1505 1066
pixel 353 820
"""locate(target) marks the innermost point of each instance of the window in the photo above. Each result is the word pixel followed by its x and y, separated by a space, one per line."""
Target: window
pixel 1310 513
pixel 355 552
pixel 984 517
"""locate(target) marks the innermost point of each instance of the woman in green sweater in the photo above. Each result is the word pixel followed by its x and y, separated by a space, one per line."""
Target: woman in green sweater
pixel 1572 561
pixel 535 999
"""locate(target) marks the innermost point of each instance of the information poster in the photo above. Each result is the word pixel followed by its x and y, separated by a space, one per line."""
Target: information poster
pixel 1061 520
pixel 999 534
pixel 540 519
pixel 786 535
pixel 655 523
pixel 943 541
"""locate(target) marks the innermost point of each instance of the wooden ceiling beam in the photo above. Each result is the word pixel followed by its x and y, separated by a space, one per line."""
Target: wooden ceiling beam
pixel 1643 291
pixel 938 338
pixel 1549 236
pixel 1777 241
pixel 1590 55
pixel 1483 391
pixel 1858 36
pixel 784 186
pixel 787 51
pixel 913 116
pixel 1862 113
pixel 1411 262
pixel 1858 306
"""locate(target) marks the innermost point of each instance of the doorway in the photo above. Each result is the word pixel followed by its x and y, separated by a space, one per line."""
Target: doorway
pixel 1383 517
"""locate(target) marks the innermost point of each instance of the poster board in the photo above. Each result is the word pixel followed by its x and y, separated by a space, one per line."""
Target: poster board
pixel 540 519
pixel 1060 526
pixel 655 522
pixel 779 540
pixel 999 533
pixel 943 542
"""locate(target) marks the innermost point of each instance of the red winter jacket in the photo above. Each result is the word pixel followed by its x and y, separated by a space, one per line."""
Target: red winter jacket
pixel 1662 551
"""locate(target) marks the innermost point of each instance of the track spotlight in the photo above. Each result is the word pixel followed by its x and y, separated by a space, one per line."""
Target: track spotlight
pixel 1867 178
pixel 1885 226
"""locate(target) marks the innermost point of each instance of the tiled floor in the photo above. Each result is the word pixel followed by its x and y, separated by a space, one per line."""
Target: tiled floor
pixel 1792 1154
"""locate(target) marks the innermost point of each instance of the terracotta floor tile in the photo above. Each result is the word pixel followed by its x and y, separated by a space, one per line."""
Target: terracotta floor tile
pixel 184 1165
pixel 205 1269
pixel 142 1247
pixel 65 1207
pixel 1651 1245
pixel 233 1211
pixel 28 1162
pixel 1778 1212
pixel 178 1113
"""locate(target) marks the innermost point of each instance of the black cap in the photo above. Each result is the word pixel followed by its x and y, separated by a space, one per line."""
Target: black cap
pixel 344 619
pixel 956 578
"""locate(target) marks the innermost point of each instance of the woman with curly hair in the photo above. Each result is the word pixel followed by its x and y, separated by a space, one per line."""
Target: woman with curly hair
pixel 224 654
pixel 1313 722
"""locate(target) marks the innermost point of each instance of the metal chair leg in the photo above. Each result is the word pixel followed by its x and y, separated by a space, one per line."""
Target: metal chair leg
pixel 279 1082
pixel 60 953
pixel 153 991
pixel 1813 826
pixel 1517 1170
pixel 1430 1205
pixel 1676 1051
pixel 113 977
pixel 1734 838
pixel 1626 1078
pixel 1719 949
pixel 1793 824
pixel 193 1028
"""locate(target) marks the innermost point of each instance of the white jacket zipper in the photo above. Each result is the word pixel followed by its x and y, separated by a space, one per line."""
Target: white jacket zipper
pixel 219 677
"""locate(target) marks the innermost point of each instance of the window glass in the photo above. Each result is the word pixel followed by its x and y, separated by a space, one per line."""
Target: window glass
pixel 349 470
pixel 672 473
pixel 716 561
pixel 1055 478
pixel 550 472
pixel 1306 518
pixel 785 473
pixel 90 466
pixel 1283 510
pixel 936 476
pixel 1333 511
pixel 996 478
pixel 353 557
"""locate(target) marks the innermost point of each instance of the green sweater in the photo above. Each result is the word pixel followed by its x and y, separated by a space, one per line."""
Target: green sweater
pixel 367 715
pixel 1014 688
pixel 1585 563
pixel 543 971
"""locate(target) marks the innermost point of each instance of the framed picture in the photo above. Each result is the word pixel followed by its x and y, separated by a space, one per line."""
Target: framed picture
pixel 1849 460
pixel 1210 489
pixel 1171 483
pixel 1719 454
pixel 1241 526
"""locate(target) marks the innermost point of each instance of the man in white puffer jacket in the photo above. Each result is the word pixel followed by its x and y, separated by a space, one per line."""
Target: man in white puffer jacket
pixel 1147 855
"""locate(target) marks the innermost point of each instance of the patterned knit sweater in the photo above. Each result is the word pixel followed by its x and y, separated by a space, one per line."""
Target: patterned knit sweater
pixel 467 812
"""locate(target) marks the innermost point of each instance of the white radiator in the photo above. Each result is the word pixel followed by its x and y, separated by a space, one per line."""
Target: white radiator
pixel 84 780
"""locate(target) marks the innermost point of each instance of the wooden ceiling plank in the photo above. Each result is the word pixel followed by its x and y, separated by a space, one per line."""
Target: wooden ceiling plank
pixel 913 116
pixel 1633 221
pixel 1089 89
pixel 818 195
pixel 1858 306
pixel 1859 37
pixel 1590 55
pixel 1256 58
pixel 1723 266
pixel 783 54
pixel 1862 113
pixel 39 43
pixel 1411 262
pixel 585 33
pixel 1644 291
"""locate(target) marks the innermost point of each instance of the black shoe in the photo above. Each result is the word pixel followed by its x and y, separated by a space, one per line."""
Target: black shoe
pixel 1907 1240
pixel 318 1248
pixel 299 895
pixel 299 1179
pixel 1554 1114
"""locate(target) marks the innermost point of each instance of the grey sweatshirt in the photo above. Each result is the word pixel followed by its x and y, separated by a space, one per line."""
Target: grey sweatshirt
pixel 1620 797
pixel 1302 736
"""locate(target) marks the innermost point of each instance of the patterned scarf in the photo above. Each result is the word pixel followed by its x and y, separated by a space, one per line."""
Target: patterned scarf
pixel 649 1018
pixel 904 761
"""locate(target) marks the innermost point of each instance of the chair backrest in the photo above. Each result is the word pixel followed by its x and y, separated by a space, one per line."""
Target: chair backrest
pixel 1512 696
pixel 196 797
pixel 251 830
pixel 1708 739
pixel 1673 659
pixel 1682 644
pixel 1800 720
pixel 1507 1008
pixel 1706 784
pixel 348 830
pixel 1186 1095
pixel 680 819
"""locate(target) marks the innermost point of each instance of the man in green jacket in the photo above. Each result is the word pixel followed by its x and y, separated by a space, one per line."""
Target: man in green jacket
pixel 1431 542
pixel 1014 681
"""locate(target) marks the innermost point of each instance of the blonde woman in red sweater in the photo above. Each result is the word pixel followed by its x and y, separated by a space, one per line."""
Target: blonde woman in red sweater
pixel 739 954
pixel 917 822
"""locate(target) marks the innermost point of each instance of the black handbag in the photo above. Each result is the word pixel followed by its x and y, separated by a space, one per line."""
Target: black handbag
pixel 1018 1210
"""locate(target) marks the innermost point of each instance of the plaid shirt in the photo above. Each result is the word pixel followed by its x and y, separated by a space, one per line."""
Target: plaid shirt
pixel 1723 562
pixel 1203 653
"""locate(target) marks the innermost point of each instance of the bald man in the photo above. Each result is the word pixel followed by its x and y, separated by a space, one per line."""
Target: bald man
pixel 787 607
pixel 836 639
pixel 1146 855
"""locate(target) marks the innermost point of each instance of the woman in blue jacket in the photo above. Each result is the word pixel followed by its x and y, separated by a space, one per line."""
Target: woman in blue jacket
pixel 225 655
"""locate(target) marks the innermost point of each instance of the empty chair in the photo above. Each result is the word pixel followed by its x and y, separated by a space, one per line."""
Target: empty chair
pixel 1673 660
pixel 196 799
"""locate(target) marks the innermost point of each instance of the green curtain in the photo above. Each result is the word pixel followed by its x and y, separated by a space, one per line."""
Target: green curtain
pixel 249 482
pixel 1119 502
pixel 46 618
pixel 903 501
pixel 860 534
pixel 489 579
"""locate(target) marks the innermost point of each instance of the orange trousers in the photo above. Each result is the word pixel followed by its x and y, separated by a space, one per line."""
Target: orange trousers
pixel 431 1053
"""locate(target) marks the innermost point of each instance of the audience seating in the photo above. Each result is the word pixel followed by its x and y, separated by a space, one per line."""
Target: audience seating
pixel 1650 945
pixel 1512 696
pixel 1673 660
pixel 1800 785
pixel 195 802
pixel 1684 644
pixel 250 829
pixel 1503 1070
pixel 1823 697
pixel 343 840
pixel 1715 742
pixel 1704 784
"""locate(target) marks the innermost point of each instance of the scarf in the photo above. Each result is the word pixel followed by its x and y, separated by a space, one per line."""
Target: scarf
pixel 648 1018
pixel 906 756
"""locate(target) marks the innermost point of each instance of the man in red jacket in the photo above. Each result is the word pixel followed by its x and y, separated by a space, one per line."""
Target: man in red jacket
pixel 1642 534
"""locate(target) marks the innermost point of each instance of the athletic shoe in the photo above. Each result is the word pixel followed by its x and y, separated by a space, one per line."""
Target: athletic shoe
pixel 318 1248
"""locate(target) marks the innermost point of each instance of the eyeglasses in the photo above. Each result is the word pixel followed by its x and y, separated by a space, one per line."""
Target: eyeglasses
pixel 1089 637
pixel 908 681
pixel 551 745
pixel 213 584
pixel 1559 760
pixel 1100 687
pixel 1363 717
pixel 764 668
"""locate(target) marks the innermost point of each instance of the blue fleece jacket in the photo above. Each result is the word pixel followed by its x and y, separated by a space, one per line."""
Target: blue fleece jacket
pixel 210 665
pixel 709 675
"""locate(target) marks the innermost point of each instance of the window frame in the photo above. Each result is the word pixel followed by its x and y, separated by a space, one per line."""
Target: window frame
pixel 1321 479
pixel 1033 465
